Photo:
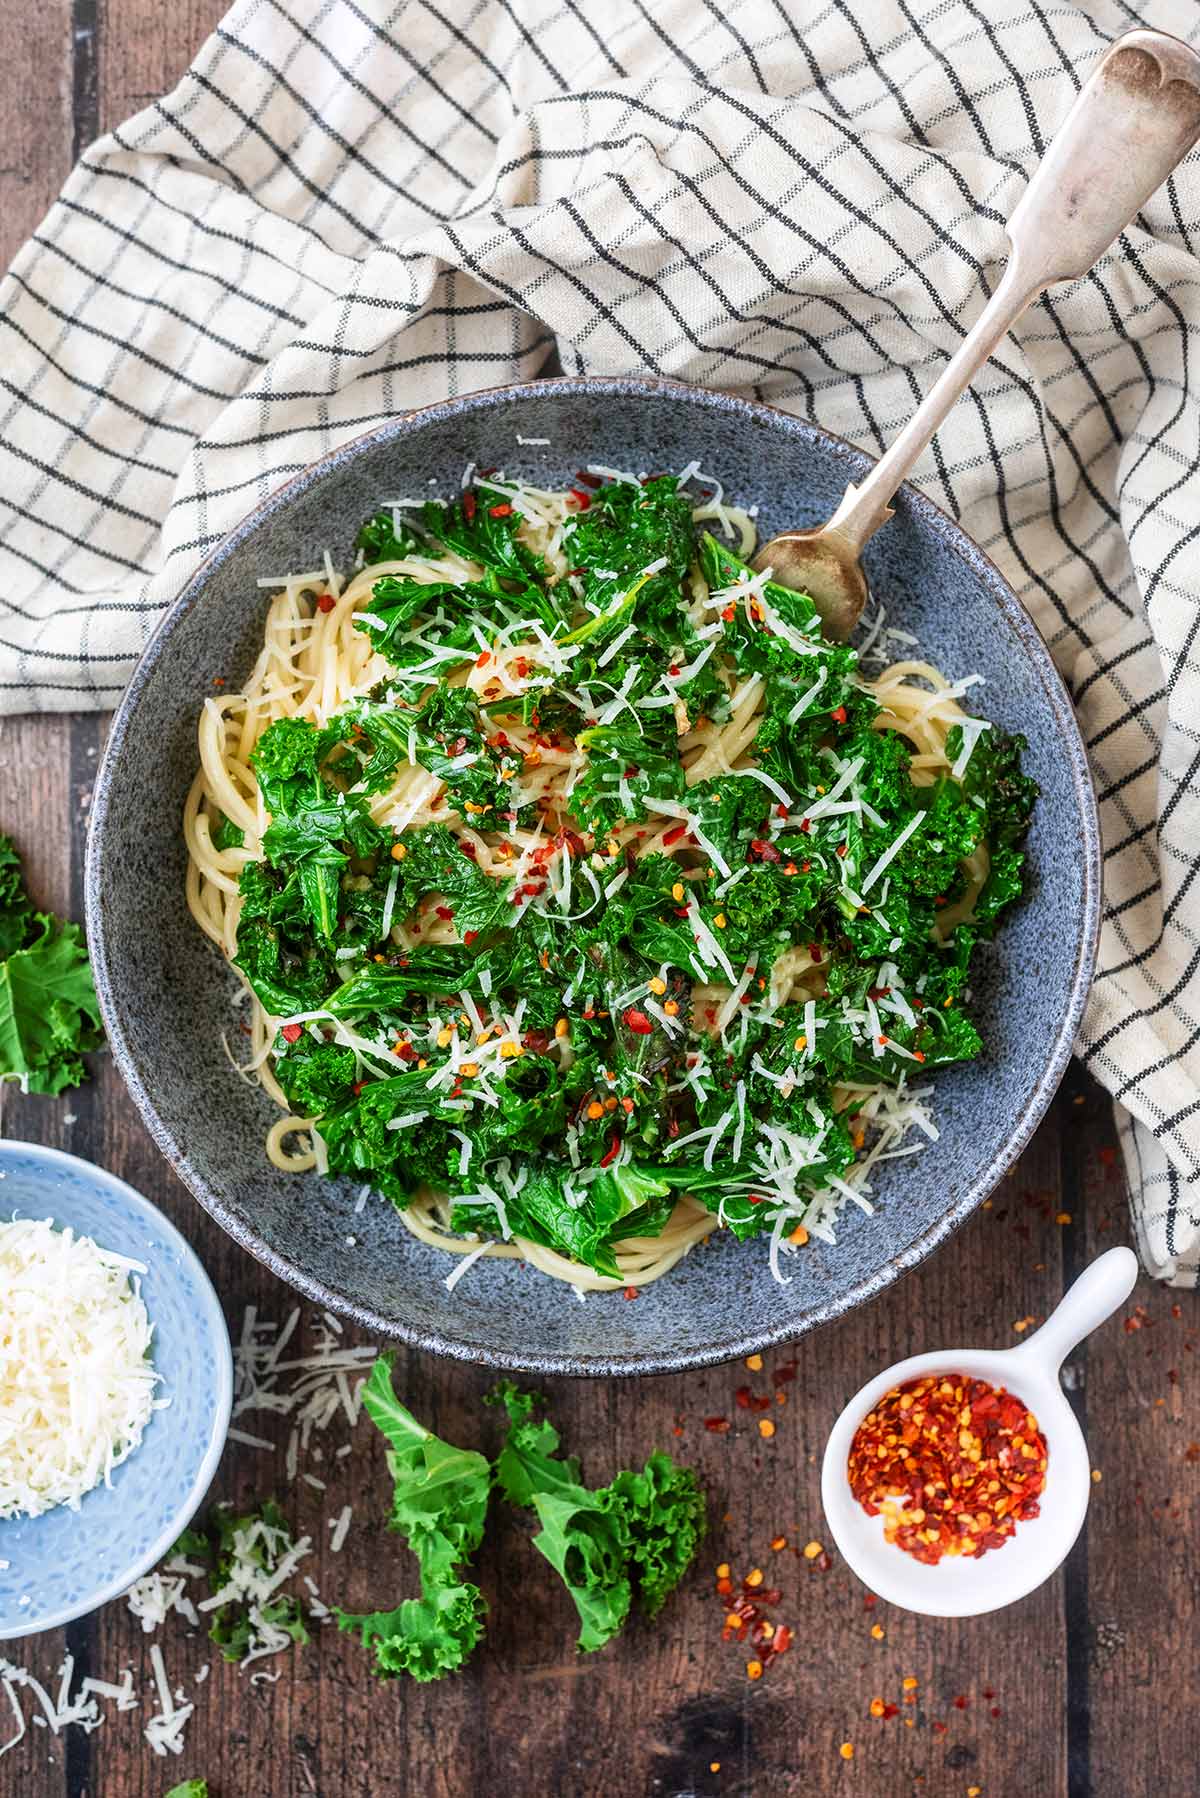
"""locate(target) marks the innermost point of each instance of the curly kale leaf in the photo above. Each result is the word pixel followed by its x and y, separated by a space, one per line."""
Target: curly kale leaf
pixel 529 1461
pixel 288 970
pixel 637 1536
pixel 583 1535
pixel 389 616
pixel 439 1505
pixel 49 1015
pixel 993 777
pixel 315 827
pixel 435 969
pixel 939 1037
pixel 435 864
pixel 666 1518
pixel 386 538
pixel 440 1493
pixel 16 907
pixel 628 528
pixel 483 527
pixel 424 1637
pixel 625 766
pixel 451 744
pixel 315 1076
pixel 358 1141
pixel 580 1222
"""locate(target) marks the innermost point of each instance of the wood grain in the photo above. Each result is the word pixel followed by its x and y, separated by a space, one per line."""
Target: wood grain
pixel 1084 1688
pixel 36 125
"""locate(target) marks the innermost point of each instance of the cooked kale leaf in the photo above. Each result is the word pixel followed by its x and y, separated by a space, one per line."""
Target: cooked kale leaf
pixel 571 997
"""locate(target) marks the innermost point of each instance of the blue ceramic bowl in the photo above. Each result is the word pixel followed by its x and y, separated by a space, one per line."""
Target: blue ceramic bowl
pixel 164 990
pixel 66 1563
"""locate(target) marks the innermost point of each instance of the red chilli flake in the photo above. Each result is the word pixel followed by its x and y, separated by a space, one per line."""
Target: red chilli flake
pixel 444 911
pixel 469 936
pixel 638 1022
pixel 613 1150
pixel 503 510
pixel 673 836
pixel 953 1464
pixel 838 714
pixel 469 506
pixel 291 1033
pixel 582 500
pixel 718 1425
pixel 326 602
pixel 588 480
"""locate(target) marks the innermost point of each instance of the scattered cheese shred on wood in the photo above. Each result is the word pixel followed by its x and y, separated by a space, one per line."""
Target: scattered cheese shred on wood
pixel 76 1381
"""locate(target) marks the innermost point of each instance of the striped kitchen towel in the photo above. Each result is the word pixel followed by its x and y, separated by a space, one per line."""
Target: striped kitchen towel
pixel 348 207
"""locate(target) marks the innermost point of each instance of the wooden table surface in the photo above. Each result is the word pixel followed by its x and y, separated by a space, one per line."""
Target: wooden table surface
pixel 1083 1688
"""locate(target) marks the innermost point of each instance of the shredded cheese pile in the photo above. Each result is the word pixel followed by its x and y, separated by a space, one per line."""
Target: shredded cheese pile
pixel 76 1381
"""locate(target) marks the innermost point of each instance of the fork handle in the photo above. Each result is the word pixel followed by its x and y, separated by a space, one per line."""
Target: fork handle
pixel 1137 115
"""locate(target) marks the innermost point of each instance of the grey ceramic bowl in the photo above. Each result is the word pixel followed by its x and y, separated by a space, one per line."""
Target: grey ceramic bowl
pixel 163 987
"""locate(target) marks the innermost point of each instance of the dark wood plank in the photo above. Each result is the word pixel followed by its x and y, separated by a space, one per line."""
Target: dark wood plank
pixel 147 46
pixel 35 116
pixel 1140 1389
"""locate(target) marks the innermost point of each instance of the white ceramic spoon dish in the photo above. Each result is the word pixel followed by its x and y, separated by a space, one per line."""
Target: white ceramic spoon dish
pixel 959 1586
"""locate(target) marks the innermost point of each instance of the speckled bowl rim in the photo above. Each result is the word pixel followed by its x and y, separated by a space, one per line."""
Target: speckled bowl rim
pixel 730 1347
pixel 223 1354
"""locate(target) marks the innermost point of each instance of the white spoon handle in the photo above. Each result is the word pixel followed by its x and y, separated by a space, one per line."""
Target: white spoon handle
pixel 1095 1295
pixel 1135 117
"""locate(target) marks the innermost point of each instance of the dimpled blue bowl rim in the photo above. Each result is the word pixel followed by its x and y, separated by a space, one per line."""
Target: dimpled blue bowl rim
pixel 70 1562
pixel 153 968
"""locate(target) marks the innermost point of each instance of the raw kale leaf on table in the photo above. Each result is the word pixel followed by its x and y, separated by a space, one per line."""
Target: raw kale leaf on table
pixel 49 1016
pixel 633 1539
pixel 439 1504
pixel 611 1545
pixel 824 842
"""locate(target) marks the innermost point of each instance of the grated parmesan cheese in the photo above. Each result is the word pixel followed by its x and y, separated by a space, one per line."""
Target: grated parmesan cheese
pixel 76 1381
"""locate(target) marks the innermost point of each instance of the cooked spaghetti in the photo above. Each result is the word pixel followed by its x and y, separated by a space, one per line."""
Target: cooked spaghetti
pixel 586 898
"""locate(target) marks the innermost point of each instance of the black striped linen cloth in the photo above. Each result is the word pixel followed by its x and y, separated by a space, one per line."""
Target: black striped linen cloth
pixel 348 207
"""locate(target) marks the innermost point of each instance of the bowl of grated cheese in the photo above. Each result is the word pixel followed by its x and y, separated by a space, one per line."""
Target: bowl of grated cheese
pixel 115 1386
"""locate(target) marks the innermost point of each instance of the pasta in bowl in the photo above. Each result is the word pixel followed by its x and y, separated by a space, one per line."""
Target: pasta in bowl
pixel 587 899
pixel 267 631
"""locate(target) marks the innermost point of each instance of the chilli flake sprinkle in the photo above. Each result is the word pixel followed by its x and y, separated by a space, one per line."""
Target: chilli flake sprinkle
pixel 744 1619
pixel 952 1464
